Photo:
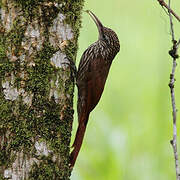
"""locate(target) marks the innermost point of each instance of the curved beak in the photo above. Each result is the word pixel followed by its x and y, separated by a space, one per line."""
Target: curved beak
pixel 98 23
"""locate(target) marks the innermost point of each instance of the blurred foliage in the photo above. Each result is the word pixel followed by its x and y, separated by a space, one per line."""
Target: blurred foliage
pixel 128 133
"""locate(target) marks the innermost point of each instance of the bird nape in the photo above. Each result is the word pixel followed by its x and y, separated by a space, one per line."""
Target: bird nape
pixel 91 77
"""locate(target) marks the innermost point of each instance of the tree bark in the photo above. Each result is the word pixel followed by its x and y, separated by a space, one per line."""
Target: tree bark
pixel 37 37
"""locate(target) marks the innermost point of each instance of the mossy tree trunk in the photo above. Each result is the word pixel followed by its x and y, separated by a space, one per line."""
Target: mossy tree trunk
pixel 37 37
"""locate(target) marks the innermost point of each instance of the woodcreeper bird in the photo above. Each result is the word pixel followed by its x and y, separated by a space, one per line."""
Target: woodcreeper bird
pixel 91 77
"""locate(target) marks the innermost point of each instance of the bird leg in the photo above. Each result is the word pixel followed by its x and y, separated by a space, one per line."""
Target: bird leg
pixel 72 66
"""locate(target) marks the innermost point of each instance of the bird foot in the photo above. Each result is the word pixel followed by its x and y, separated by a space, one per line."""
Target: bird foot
pixel 72 66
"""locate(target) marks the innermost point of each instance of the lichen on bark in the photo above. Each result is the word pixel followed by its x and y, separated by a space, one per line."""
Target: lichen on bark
pixel 36 87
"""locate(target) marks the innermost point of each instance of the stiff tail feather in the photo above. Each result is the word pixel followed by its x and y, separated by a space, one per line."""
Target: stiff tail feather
pixel 78 142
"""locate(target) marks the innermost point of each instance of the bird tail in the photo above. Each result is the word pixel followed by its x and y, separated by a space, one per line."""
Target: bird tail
pixel 78 141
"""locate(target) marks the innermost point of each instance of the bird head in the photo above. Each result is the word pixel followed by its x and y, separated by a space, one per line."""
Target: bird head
pixel 105 34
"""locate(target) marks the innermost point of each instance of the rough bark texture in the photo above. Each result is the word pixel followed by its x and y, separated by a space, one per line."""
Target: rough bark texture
pixel 36 87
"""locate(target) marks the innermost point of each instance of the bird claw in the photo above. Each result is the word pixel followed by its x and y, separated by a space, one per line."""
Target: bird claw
pixel 72 66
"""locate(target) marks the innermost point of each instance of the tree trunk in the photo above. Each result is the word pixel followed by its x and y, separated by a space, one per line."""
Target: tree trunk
pixel 37 37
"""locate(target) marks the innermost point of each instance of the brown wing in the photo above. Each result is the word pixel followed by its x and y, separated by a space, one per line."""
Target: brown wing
pixel 91 84
pixel 99 72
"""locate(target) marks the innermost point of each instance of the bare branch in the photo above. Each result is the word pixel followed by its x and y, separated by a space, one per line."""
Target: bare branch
pixel 163 4
pixel 178 43
pixel 173 53
pixel 171 23
pixel 174 140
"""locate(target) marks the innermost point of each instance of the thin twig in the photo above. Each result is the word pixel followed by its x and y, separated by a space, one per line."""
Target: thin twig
pixel 173 53
pixel 163 4
pixel 171 23
pixel 178 43
pixel 174 140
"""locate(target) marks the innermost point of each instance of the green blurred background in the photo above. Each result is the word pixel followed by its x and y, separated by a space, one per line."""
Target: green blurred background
pixel 129 131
